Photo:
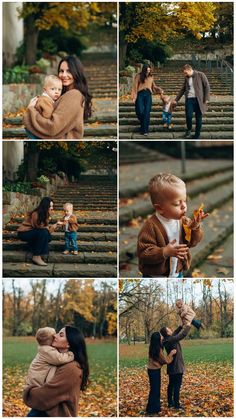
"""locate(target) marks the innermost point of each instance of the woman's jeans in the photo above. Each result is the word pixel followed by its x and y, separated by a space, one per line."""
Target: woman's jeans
pixel 71 240
pixel 37 413
pixel 38 240
pixel 192 106
pixel 30 135
pixel 154 403
pixel 143 106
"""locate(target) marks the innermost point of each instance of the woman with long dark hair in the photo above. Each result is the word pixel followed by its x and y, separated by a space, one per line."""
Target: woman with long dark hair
pixel 142 90
pixel 60 396
pixel 155 362
pixel 35 230
pixel 70 110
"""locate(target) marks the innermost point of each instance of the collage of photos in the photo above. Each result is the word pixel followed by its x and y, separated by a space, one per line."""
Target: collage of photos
pixel 118 209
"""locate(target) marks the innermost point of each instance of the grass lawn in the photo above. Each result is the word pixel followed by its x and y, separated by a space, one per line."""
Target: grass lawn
pixel 194 351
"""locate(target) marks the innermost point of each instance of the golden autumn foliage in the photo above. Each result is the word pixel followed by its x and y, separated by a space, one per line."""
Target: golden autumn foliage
pixel 164 21
pixel 65 14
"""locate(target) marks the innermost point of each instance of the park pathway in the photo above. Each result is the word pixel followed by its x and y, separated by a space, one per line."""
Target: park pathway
pixel 94 199
pixel 102 81
pixel 208 181
pixel 217 122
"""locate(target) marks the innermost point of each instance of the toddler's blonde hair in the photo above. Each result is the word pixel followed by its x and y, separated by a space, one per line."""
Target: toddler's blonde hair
pixel 50 79
pixel 44 335
pixel 68 204
pixel 159 183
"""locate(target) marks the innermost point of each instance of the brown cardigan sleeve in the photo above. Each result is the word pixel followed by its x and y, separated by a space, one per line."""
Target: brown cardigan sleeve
pixel 148 251
pixel 35 223
pixel 66 379
pixel 45 106
pixel 69 106
pixel 73 220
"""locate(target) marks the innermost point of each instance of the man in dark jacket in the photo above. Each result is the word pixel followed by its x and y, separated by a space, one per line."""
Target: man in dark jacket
pixel 176 368
pixel 196 89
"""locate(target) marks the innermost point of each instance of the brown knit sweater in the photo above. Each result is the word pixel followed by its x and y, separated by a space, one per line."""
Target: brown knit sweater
pixel 60 396
pixel 66 122
pixel 72 223
pixel 32 222
pixel 148 84
pixel 45 106
pixel 156 365
pixel 151 241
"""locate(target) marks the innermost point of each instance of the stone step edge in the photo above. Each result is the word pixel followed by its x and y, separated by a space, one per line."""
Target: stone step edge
pixel 15 270
pixel 86 257
pixel 186 178
pixel 197 190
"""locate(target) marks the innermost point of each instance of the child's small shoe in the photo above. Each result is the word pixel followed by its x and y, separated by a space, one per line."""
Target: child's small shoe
pixel 170 126
pixel 165 126
pixel 75 252
pixel 66 252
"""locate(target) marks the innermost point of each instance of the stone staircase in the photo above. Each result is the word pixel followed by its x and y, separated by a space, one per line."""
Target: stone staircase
pixel 90 193
pixel 210 182
pixel 102 77
pixel 97 236
pixel 170 78
pixel 131 152
pixel 217 122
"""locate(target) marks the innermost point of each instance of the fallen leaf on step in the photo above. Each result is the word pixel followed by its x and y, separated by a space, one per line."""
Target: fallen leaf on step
pixel 214 257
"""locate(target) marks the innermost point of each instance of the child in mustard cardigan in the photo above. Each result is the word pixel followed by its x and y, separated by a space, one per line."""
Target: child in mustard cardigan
pixel 163 249
pixel 70 225
pixel 52 89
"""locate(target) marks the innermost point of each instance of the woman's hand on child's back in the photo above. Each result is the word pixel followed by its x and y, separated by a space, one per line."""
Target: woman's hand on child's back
pixel 179 251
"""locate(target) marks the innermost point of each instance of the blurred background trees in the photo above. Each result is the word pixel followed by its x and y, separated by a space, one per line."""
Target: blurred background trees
pixel 87 304
pixel 147 305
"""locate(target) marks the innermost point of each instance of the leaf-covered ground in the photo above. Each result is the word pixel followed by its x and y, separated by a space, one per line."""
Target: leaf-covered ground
pixel 207 388
pixel 100 398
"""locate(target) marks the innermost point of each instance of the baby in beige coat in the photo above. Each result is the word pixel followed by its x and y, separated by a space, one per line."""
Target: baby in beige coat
pixel 187 315
pixel 44 365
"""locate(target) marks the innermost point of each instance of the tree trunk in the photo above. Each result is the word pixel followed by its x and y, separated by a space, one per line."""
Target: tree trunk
pixel 32 157
pixel 31 40
pixel 122 50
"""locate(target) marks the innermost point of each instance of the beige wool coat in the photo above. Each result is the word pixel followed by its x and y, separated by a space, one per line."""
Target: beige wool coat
pixel 187 314
pixel 44 365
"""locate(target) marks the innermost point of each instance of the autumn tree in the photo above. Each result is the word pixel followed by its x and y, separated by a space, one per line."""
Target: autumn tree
pixel 71 157
pixel 67 15
pixel 163 21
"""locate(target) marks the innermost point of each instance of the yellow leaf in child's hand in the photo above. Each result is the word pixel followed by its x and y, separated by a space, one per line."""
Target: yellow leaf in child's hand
pixel 187 231
pixel 197 212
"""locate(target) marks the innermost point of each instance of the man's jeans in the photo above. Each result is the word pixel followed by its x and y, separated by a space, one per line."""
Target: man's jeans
pixel 192 106
pixel 71 240
pixel 143 106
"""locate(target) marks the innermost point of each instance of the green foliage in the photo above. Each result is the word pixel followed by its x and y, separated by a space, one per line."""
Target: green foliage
pixel 22 187
pixel 146 50
pixel 18 74
pixel 58 39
